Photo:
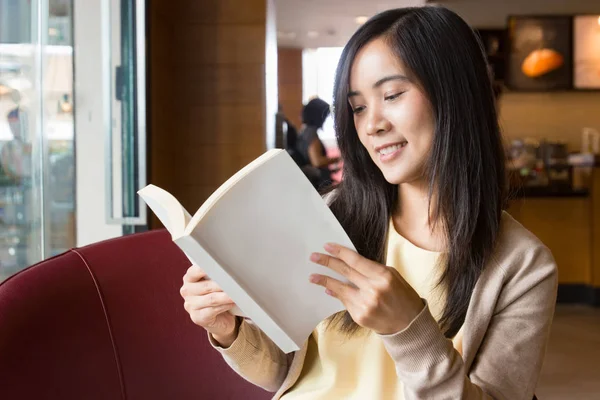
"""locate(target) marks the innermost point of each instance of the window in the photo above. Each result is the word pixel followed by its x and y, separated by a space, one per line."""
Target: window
pixel 318 76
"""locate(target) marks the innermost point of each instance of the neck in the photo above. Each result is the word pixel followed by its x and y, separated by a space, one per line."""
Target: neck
pixel 413 216
pixel 413 204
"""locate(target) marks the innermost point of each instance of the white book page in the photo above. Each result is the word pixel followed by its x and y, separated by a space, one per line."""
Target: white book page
pixel 262 231
pixel 167 208
pixel 172 215
pixel 238 294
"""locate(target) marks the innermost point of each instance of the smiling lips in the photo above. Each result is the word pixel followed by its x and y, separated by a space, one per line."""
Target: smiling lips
pixel 390 151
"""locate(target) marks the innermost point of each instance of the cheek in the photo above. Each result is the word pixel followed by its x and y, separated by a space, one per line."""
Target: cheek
pixel 362 136
pixel 366 146
pixel 419 124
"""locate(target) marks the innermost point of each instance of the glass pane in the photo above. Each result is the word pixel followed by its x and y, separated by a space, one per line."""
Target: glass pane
pixel 128 106
pixel 36 132
pixel 20 220
pixel 127 63
pixel 58 130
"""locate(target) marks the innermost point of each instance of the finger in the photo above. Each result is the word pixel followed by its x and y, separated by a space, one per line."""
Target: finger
pixel 207 316
pixel 199 288
pixel 194 274
pixel 340 267
pixel 221 309
pixel 216 299
pixel 361 264
pixel 341 290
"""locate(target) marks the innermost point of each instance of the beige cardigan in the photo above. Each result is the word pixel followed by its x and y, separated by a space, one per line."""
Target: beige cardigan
pixel 505 334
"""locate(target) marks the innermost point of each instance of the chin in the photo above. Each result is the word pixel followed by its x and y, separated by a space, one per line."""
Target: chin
pixel 394 177
pixel 398 175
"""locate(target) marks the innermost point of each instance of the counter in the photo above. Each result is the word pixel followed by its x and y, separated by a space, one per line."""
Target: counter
pixel 547 192
pixel 568 222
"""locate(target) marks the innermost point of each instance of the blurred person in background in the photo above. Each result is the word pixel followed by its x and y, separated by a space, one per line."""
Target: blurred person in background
pixel 15 155
pixel 313 154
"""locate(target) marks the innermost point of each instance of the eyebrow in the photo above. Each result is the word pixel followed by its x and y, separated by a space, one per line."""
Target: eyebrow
pixel 381 82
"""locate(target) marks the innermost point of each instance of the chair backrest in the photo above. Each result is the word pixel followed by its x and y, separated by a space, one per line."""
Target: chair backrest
pixel 106 322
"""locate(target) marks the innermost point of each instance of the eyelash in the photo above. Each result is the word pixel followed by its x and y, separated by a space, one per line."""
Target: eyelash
pixel 392 97
pixel 357 110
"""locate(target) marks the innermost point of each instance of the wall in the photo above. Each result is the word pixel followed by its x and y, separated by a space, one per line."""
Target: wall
pixel 207 92
pixel 595 196
pixel 557 116
pixel 290 83
pixel 552 115
pixel 90 128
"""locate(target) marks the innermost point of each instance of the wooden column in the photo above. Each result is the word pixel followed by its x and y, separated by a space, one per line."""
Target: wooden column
pixel 290 83
pixel 208 82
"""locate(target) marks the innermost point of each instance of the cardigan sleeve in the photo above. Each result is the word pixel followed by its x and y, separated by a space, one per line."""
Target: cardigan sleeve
pixel 255 357
pixel 508 362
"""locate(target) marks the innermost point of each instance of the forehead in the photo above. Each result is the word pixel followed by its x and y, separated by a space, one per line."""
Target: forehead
pixel 372 62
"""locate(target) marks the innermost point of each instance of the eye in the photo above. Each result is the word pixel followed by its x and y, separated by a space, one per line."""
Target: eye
pixel 357 110
pixel 393 96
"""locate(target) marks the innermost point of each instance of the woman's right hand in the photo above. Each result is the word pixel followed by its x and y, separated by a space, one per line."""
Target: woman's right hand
pixel 208 306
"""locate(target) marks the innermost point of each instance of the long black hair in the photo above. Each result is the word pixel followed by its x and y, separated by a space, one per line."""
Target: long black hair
pixel 465 169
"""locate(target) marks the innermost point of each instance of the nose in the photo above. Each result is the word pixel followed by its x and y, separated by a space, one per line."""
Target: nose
pixel 377 123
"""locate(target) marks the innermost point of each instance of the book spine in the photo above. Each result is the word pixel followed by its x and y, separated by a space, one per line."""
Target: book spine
pixel 201 257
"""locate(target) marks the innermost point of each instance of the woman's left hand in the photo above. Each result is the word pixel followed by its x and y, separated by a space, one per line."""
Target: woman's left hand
pixel 377 297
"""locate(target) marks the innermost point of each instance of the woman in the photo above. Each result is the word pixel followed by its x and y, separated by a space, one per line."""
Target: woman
pixel 450 297
pixel 313 155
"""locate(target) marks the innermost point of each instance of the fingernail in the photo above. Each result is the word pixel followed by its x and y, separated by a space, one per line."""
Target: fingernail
pixel 314 278
pixel 314 257
pixel 330 247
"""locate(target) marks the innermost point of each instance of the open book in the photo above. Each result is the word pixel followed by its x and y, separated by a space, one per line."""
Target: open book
pixel 253 237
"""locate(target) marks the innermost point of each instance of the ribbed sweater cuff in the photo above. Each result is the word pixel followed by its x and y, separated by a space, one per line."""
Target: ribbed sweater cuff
pixel 419 346
pixel 241 350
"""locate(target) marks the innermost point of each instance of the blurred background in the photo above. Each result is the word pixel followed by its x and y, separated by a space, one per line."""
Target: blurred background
pixel 100 97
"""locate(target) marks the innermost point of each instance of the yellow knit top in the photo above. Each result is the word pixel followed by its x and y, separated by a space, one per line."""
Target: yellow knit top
pixel 359 367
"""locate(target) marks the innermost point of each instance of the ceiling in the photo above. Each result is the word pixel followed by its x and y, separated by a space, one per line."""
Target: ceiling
pixel 326 23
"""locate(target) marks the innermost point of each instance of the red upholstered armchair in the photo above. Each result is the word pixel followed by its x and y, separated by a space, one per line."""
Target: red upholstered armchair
pixel 107 322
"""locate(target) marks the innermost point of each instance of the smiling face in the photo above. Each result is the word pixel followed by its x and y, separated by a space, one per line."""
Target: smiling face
pixel 392 115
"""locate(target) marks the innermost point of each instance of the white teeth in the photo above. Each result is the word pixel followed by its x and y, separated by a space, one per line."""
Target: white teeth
pixel 391 149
